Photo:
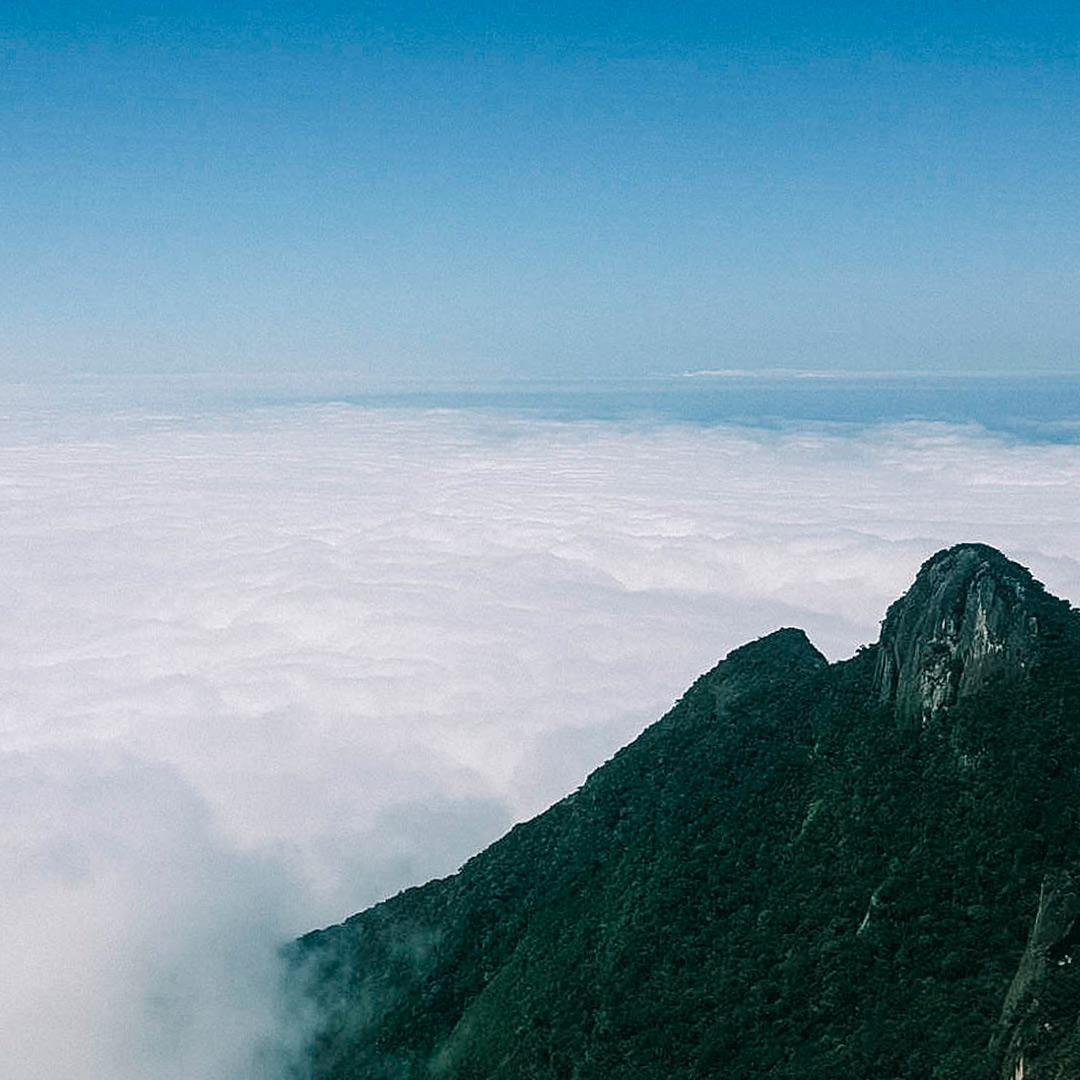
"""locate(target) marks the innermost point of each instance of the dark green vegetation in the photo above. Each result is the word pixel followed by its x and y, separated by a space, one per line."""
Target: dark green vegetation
pixel 860 870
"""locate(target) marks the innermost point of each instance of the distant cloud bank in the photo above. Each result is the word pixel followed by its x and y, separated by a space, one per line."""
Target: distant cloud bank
pixel 263 667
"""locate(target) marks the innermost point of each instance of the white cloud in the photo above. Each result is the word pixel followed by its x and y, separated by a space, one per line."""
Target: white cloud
pixel 136 942
pixel 262 668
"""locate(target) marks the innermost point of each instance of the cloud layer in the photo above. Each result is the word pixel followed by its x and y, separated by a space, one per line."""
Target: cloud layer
pixel 261 668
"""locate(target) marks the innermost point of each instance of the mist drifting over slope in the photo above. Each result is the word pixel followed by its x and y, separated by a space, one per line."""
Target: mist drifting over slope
pixel 263 666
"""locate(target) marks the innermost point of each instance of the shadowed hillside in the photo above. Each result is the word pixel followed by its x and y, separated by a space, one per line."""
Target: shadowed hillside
pixel 864 869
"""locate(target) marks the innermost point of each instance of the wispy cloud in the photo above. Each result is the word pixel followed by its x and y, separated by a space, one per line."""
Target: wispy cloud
pixel 260 669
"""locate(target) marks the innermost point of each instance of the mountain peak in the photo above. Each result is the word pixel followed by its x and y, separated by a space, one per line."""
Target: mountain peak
pixel 787 646
pixel 971 615
pixel 760 885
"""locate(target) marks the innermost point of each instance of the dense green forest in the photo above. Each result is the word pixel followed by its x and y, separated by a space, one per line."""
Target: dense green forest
pixel 860 870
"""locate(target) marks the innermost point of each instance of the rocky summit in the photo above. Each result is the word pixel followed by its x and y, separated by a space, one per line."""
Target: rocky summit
pixel 867 869
pixel 971 615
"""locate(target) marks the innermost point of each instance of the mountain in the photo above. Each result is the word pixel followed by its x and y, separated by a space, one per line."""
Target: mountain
pixel 867 869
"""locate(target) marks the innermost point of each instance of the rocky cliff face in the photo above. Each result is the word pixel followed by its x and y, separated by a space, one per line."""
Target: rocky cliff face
pixel 970 617
pixel 1038 1036
pixel 804 871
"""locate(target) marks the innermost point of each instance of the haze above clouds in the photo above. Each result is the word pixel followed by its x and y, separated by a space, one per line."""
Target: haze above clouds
pixel 507 189
pixel 262 668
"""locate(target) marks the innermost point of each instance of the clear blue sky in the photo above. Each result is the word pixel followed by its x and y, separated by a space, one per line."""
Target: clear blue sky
pixel 490 189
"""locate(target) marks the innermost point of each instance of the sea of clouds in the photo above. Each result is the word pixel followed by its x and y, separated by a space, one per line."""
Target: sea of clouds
pixel 260 668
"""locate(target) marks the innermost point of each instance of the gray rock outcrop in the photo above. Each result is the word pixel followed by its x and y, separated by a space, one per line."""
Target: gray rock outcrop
pixel 968 618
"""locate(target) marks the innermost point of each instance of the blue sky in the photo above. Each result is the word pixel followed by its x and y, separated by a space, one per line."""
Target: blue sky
pixel 488 190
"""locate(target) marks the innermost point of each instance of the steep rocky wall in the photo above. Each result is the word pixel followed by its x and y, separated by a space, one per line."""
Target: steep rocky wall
pixel 966 620
pixel 1038 1032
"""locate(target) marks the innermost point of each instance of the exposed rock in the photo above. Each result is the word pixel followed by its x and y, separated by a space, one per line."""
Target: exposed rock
pixel 969 617
pixel 1031 1031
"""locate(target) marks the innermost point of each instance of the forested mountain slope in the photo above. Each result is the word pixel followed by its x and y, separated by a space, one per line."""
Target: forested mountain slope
pixel 857 870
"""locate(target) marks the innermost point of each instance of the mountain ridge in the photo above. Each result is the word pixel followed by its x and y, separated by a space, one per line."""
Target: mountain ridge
pixel 711 898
